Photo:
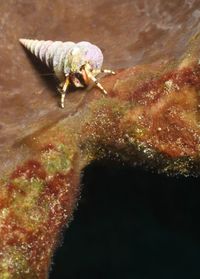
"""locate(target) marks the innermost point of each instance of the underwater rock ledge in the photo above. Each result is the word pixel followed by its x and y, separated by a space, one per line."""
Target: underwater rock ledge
pixel 149 118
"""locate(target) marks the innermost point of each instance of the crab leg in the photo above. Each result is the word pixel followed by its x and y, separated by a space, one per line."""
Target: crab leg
pixel 63 89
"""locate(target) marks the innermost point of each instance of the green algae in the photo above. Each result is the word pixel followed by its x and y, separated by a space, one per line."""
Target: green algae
pixel 13 265
pixel 32 186
pixel 25 202
pixel 56 160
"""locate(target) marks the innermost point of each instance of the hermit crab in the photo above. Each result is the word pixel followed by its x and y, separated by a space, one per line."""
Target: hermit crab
pixel 77 64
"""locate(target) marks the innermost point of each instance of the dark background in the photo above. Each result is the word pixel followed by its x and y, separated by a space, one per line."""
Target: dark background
pixel 132 224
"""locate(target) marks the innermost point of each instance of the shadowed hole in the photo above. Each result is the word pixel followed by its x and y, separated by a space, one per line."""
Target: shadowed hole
pixel 132 224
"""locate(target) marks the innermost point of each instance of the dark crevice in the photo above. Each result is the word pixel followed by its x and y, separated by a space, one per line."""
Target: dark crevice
pixel 132 224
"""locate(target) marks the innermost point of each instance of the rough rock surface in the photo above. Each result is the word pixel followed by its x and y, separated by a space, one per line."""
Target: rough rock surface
pixel 150 116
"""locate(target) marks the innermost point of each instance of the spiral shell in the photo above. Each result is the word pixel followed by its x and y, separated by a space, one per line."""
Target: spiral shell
pixel 65 57
pixel 75 64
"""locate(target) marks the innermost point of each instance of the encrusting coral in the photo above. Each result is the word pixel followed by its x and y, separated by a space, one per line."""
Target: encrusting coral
pixel 150 118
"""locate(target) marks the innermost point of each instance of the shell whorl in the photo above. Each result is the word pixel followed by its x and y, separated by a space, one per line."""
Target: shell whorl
pixel 51 53
pixel 63 57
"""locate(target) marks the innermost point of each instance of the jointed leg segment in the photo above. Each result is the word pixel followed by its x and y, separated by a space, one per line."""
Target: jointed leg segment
pixel 91 75
pixel 63 89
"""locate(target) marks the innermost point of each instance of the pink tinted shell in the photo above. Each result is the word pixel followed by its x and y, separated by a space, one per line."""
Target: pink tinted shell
pixel 93 54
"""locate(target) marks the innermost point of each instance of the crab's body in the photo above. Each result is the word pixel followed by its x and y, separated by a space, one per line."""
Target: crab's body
pixel 76 63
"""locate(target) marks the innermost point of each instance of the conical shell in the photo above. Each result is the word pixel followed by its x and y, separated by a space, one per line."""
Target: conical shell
pixel 65 57
pixel 53 54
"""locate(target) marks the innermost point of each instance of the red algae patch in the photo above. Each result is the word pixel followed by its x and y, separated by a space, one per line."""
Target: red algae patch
pixel 153 90
pixel 36 201
pixel 31 168
pixel 166 117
